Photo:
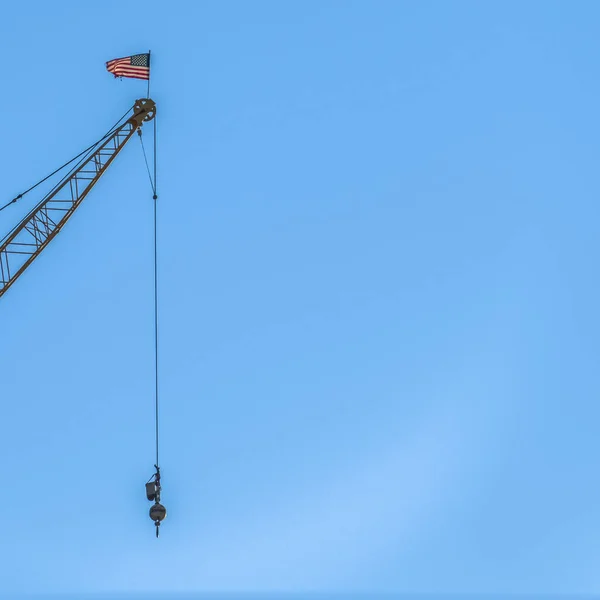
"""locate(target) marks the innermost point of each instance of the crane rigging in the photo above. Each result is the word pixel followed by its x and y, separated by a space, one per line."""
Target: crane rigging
pixel 21 246
pixel 27 240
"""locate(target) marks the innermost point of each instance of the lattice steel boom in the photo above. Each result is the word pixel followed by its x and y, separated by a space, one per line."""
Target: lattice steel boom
pixel 27 240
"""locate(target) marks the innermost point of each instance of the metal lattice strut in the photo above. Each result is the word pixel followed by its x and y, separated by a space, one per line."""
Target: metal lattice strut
pixel 27 240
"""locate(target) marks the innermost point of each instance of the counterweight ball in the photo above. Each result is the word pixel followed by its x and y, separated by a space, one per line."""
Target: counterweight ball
pixel 158 512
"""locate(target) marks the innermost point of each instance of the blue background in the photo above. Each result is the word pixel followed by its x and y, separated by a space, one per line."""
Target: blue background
pixel 378 292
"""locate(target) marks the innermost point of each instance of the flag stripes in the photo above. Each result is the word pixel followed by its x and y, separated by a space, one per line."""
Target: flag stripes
pixel 136 66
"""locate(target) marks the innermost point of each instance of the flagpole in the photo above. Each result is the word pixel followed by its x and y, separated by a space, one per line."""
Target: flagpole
pixel 149 52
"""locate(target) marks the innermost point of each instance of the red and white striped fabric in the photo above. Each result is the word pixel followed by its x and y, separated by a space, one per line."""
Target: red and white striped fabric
pixel 136 66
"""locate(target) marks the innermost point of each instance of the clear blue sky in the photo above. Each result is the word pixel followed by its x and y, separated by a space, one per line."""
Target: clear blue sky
pixel 379 293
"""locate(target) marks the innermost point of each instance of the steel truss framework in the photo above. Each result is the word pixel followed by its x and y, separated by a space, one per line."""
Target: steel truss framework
pixel 29 238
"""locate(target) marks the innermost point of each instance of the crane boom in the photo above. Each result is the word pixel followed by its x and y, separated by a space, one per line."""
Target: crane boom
pixel 29 238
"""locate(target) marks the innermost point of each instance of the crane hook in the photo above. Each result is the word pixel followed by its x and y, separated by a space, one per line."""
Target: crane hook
pixel 153 488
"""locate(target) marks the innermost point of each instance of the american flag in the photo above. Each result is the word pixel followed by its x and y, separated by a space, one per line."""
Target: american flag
pixel 136 66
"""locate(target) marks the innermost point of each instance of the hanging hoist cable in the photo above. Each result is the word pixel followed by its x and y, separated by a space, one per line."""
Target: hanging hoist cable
pixel 152 184
pixel 155 199
pixel 153 487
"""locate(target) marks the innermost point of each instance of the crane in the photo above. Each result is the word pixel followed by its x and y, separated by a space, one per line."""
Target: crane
pixel 26 241
pixel 21 246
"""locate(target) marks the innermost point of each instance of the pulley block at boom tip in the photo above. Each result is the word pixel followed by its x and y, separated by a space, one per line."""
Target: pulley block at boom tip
pixel 29 238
